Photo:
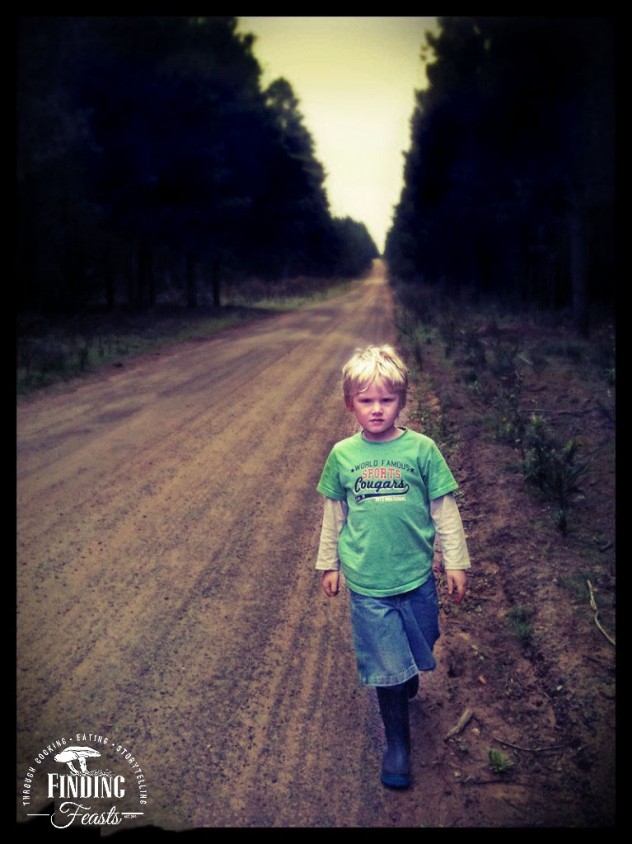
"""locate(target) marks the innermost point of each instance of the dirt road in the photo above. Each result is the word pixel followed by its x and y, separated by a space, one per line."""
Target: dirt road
pixel 169 614
pixel 167 527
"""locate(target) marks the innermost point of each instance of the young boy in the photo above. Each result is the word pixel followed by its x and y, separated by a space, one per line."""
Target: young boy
pixel 388 493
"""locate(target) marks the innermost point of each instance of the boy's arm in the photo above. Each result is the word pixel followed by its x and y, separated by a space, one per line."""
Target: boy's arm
pixel 334 517
pixel 456 559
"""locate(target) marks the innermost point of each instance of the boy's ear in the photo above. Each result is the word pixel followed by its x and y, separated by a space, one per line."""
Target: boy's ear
pixel 349 402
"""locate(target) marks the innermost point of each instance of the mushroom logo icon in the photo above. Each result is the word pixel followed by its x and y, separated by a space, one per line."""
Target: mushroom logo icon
pixel 78 755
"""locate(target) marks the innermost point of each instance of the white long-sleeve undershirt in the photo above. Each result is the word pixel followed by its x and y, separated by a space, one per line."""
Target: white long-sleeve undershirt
pixel 444 513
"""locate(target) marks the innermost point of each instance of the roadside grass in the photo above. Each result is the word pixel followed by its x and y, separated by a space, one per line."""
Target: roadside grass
pixel 576 584
pixel 499 357
pixel 530 384
pixel 52 349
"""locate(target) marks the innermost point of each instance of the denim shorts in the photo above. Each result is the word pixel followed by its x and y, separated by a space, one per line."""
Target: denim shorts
pixel 394 636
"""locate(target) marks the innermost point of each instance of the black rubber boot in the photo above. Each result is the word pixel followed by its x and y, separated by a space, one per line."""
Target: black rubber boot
pixel 393 703
pixel 412 686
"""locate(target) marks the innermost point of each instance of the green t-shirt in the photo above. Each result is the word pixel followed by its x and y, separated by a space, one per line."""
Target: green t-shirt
pixel 386 546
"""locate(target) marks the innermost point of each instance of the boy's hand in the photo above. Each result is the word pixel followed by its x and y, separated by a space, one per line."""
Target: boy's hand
pixel 330 582
pixel 457 584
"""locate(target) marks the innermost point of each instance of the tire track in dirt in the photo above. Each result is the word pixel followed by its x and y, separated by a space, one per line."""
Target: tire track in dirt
pixel 167 528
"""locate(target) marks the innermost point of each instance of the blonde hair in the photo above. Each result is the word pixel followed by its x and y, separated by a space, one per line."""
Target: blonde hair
pixel 381 363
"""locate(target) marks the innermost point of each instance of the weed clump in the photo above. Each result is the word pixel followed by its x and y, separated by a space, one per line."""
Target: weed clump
pixel 520 623
pixel 498 761
pixel 552 468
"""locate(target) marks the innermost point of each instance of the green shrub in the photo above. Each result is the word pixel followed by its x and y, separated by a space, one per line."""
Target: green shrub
pixel 552 468
pixel 520 623
pixel 498 762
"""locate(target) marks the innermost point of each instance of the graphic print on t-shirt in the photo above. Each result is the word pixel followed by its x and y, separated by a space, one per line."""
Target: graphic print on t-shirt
pixel 380 479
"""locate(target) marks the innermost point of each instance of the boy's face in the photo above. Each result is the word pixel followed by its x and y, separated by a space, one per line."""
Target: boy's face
pixel 376 410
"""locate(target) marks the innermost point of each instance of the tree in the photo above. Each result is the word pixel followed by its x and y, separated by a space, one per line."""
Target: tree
pixel 57 217
pixel 504 160
pixel 147 142
pixel 294 227
pixel 357 249
pixel 174 105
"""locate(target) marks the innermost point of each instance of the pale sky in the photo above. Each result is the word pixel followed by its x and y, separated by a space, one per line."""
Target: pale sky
pixel 355 78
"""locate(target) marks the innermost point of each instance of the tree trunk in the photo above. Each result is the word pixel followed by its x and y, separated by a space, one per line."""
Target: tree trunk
pixel 145 285
pixel 216 283
pixel 73 268
pixel 578 272
pixel 108 281
pixel 192 299
pixel 131 277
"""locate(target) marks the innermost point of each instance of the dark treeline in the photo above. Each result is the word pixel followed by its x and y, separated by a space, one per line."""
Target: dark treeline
pixel 509 179
pixel 150 159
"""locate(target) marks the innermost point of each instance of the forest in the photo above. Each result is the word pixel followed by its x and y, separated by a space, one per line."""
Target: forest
pixel 151 159
pixel 152 164
pixel 509 179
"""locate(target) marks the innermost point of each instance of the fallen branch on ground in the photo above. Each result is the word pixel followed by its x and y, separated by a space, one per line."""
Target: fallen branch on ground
pixel 596 611
pixel 530 749
pixel 460 725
